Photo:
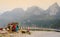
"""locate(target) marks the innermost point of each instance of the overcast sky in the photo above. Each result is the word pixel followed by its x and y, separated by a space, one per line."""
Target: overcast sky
pixel 11 4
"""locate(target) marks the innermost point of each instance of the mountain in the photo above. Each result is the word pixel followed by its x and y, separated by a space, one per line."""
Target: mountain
pixel 38 16
pixel 34 12
pixel 12 16
pixel 53 9
pixel 33 16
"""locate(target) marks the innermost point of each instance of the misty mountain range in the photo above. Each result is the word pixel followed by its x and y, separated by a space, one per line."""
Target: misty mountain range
pixel 33 16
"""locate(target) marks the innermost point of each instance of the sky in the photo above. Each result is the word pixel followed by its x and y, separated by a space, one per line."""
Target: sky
pixel 6 5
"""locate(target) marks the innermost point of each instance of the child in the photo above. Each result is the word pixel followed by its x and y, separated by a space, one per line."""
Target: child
pixel 17 28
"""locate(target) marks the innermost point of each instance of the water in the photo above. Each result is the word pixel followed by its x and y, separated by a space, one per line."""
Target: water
pixel 39 34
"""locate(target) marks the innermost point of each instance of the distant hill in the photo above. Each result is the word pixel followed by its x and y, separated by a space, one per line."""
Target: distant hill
pixel 33 16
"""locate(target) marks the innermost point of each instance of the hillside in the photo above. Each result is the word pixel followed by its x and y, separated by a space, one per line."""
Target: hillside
pixel 33 16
